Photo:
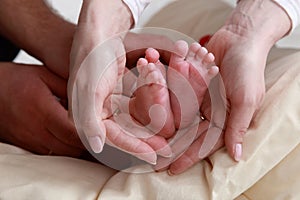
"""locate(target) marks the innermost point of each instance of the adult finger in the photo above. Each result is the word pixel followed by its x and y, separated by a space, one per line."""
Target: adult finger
pixel 117 108
pixel 132 128
pixel 118 138
pixel 58 123
pixel 57 85
pixel 89 89
pixel 238 122
pixel 214 108
pixel 160 146
pixel 57 147
pixel 191 156
pixel 56 120
pixel 181 142
pixel 45 144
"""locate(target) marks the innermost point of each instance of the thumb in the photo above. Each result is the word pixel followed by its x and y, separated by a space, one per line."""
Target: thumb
pixel 238 122
pixel 89 88
pixel 85 115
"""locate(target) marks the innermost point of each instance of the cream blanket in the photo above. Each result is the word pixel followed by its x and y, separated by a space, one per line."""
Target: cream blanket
pixel 268 170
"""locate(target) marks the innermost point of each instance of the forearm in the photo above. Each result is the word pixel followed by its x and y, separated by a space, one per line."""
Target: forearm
pixel 32 26
pixel 292 8
pixel 261 20
pixel 98 21
pixel 105 17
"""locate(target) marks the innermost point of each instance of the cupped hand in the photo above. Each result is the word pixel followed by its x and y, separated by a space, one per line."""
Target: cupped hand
pixel 97 77
pixel 32 116
pixel 200 136
pixel 241 47
pixel 242 61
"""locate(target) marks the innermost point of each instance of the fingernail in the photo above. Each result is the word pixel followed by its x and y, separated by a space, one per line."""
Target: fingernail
pixel 202 153
pixel 238 152
pixel 96 144
pixel 163 164
pixel 161 169
pixel 150 158
pixel 165 152
pixel 170 173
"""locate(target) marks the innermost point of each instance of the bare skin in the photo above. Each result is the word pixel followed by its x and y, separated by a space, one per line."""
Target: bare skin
pixel 32 117
pixel 94 29
pixel 153 104
pixel 189 75
pixel 251 29
pixel 35 27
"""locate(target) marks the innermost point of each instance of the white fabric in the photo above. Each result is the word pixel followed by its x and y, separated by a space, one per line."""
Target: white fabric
pixel 137 7
pixel 292 8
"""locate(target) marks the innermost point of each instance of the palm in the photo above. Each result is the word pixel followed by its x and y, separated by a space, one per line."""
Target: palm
pixel 241 63
pixel 96 82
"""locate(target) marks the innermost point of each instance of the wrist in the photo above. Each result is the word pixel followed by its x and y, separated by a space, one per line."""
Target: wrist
pixel 99 20
pixel 105 17
pixel 262 20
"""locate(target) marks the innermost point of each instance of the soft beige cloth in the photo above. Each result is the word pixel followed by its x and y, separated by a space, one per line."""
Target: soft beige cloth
pixel 268 169
pixel 27 176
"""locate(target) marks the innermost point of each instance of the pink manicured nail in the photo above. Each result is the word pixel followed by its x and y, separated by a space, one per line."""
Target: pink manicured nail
pixel 96 144
pixel 238 152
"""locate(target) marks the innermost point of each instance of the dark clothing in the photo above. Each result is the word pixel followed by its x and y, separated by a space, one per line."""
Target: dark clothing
pixel 8 51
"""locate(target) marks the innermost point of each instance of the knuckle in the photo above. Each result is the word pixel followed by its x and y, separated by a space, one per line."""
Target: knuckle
pixel 238 131
pixel 242 131
pixel 247 100
pixel 88 123
pixel 190 159
pixel 116 137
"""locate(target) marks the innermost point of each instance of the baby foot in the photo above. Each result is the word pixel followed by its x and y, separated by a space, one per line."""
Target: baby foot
pixel 151 104
pixel 189 74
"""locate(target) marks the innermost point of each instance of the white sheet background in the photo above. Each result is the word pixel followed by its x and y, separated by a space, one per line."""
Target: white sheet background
pixel 271 153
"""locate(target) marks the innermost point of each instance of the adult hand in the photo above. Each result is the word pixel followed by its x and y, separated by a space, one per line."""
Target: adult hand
pixel 243 78
pixel 31 115
pixel 240 47
pixel 242 62
pixel 97 64
pixel 188 142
